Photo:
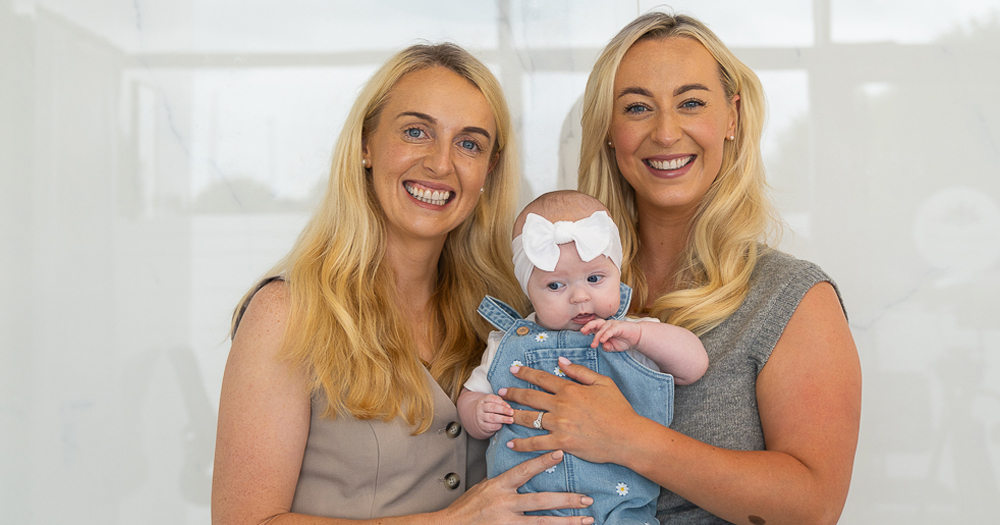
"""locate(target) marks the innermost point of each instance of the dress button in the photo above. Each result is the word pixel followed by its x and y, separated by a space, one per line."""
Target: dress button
pixel 452 481
pixel 453 429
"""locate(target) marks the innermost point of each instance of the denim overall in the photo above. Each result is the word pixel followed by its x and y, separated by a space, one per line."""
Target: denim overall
pixel 620 495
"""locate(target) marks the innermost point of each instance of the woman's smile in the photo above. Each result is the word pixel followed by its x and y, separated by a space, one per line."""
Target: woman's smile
pixel 426 194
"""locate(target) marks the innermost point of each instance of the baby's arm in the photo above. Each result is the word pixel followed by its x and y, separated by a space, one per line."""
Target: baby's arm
pixel 483 414
pixel 675 350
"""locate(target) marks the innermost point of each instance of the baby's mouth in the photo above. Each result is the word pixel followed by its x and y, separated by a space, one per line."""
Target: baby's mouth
pixel 584 318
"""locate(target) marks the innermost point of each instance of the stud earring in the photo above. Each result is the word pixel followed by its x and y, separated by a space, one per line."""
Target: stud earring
pixel 732 137
pixel 364 163
pixel 610 145
pixel 480 190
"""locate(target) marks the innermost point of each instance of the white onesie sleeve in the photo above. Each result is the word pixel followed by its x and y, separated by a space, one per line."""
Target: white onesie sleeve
pixel 478 381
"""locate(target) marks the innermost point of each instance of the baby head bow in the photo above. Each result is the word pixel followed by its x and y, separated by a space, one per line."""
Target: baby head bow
pixel 538 244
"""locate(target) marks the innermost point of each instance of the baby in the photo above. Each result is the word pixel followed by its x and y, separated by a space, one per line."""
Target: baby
pixel 567 257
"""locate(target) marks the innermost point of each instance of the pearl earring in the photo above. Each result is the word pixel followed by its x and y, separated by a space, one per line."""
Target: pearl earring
pixel 364 163
pixel 610 145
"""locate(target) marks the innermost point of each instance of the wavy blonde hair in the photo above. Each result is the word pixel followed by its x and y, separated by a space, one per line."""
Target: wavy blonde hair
pixel 344 326
pixel 735 219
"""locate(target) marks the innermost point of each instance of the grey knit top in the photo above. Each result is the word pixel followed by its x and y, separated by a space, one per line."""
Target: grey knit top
pixel 721 408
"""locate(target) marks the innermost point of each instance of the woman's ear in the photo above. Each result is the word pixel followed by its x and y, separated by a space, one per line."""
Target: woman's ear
pixel 366 160
pixel 734 115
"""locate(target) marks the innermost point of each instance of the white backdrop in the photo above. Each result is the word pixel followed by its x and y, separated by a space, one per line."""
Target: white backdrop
pixel 156 157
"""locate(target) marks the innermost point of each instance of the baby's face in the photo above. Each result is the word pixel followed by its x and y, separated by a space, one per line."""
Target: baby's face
pixel 576 292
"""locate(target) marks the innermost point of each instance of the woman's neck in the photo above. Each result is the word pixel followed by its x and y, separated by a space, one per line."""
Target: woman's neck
pixel 662 239
pixel 414 265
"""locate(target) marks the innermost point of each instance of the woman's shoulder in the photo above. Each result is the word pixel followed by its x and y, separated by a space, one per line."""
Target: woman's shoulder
pixel 266 310
pixel 780 267
pixel 781 278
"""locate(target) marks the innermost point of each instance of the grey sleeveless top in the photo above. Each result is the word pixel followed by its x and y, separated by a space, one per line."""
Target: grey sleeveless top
pixel 721 408
pixel 362 469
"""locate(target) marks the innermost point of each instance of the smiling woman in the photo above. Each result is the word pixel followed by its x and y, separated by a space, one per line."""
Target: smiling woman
pixel 671 145
pixel 339 394
pixel 429 154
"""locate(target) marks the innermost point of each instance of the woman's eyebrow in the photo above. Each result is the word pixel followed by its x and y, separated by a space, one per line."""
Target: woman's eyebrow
pixel 432 120
pixel 634 90
pixel 690 87
pixel 419 115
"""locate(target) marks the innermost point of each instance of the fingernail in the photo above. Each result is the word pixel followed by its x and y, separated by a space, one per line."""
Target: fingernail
pixel 587 500
pixel 564 361
pixel 502 392
pixel 588 521
pixel 557 455
pixel 510 444
pixel 514 369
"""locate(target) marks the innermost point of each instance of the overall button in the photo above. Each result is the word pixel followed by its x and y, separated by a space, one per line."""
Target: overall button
pixel 453 429
pixel 452 481
pixel 523 330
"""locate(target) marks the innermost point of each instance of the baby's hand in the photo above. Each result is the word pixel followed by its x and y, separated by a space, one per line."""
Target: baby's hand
pixel 492 412
pixel 615 336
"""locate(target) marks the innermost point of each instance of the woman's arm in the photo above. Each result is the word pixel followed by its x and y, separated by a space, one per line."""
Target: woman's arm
pixel 264 417
pixel 809 398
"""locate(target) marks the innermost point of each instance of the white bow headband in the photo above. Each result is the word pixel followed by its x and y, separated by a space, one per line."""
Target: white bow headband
pixel 538 244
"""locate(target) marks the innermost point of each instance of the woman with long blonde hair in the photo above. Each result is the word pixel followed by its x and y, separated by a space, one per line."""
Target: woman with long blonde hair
pixel 671 144
pixel 338 400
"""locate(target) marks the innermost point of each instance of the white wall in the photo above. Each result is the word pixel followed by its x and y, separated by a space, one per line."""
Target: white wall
pixel 157 157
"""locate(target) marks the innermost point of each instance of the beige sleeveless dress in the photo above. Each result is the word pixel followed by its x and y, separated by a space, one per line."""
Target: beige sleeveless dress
pixel 364 469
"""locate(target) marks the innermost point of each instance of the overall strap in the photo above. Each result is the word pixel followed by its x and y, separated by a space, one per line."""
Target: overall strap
pixel 498 313
pixel 626 298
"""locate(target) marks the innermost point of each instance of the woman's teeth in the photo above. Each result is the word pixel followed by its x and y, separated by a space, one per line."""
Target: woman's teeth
pixel 436 197
pixel 670 164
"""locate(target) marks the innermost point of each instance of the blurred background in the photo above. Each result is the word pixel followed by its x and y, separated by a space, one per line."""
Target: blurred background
pixel 157 157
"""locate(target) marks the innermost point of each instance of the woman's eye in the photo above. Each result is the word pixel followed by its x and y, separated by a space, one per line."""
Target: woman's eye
pixel 469 145
pixel 554 286
pixel 636 109
pixel 594 278
pixel 692 104
pixel 414 133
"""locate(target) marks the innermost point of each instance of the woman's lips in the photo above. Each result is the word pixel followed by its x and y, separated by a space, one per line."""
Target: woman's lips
pixel 669 168
pixel 428 195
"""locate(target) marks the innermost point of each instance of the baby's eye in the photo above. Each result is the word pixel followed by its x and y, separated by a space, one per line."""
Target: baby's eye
pixel 594 278
pixel 554 286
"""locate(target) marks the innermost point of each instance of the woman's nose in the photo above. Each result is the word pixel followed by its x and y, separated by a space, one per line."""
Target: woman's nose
pixel 438 159
pixel 667 129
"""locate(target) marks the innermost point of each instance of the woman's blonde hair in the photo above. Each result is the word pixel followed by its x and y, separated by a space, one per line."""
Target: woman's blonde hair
pixel 345 326
pixel 734 215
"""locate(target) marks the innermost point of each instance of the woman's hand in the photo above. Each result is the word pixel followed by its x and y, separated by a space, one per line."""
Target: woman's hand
pixel 586 418
pixel 497 501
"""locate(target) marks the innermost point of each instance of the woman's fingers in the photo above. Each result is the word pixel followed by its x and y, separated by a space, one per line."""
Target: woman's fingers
pixel 519 475
pixel 580 373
